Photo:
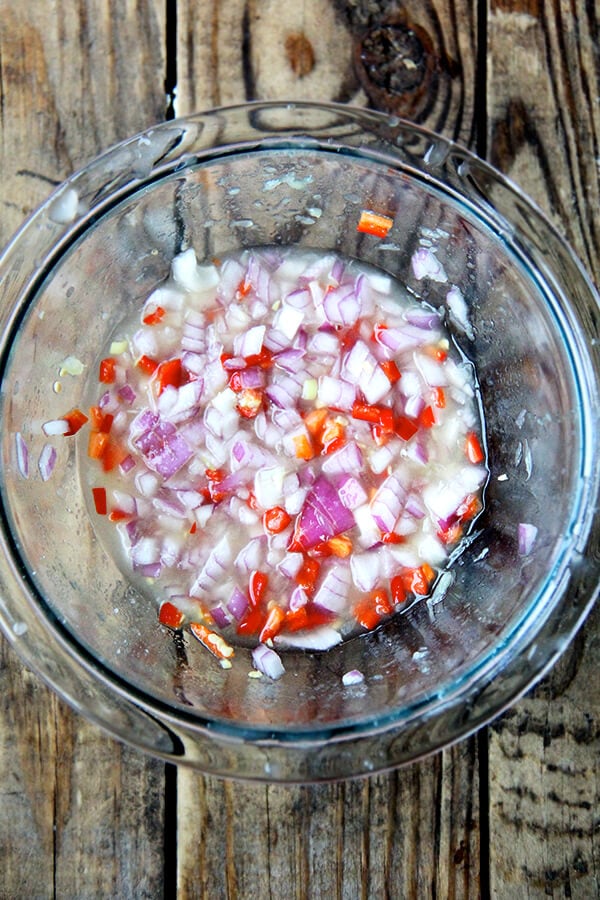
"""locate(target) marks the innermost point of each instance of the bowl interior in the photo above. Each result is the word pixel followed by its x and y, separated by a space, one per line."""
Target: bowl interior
pixel 525 349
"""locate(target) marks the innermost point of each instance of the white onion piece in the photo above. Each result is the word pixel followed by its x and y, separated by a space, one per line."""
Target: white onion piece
pixel 268 662
pixel 250 343
pixel 323 637
pixel 333 591
pixel 287 321
pixel 250 556
pixel 387 503
pixel 365 570
pixel 192 277
pixel 215 568
pixel 56 427
pixel 369 533
pixel 268 486
pixel 426 265
pixel 354 676
pixel 459 313
pixel 336 393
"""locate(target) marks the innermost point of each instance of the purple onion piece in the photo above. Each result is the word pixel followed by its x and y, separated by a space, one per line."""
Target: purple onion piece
pixel 238 603
pixel 323 515
pixel 47 461
pixel 526 534
pixel 22 452
pixel 220 617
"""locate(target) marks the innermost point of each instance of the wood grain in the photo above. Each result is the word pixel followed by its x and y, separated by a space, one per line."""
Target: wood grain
pixel 544 131
pixel 409 834
pixel 229 51
pixel 80 816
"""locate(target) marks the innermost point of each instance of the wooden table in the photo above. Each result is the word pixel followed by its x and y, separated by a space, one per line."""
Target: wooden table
pixel 510 812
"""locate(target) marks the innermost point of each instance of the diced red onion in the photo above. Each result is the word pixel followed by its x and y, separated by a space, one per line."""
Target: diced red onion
pixel 259 277
pixel 145 552
pixel 238 603
pixel 289 359
pixel 268 662
pixel 298 599
pixel 283 394
pixel 423 318
pixel 47 461
pixel 414 406
pixel 232 273
pixel 300 299
pixel 170 552
pixel 268 486
pixel 414 507
pixel 336 393
pixel 287 321
pixel 348 458
pixel 22 452
pixel 291 564
pixel 149 570
pixel 220 616
pixel 400 339
pixel 365 570
pixel 125 502
pixel 527 535
pixel 337 270
pixel 323 515
pixel 357 361
pixel 342 306
pixel 127 464
pixel 249 455
pixel 250 556
pixel 215 568
pixel 332 594
pixel 323 637
pixel 294 502
pixel 252 377
pixel 426 265
pixel 250 342
pixel 324 343
pixel 382 457
pixel 374 385
pixel 386 505
pixel 165 451
pixel 127 394
pixel 351 492
pixel 433 373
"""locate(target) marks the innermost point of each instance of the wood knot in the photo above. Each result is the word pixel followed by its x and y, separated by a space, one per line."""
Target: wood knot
pixel 300 53
pixel 397 66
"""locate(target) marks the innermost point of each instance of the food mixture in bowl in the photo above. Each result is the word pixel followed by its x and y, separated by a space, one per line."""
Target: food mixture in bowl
pixel 283 449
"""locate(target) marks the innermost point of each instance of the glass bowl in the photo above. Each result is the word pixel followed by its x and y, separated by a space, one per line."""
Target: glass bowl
pixel 300 175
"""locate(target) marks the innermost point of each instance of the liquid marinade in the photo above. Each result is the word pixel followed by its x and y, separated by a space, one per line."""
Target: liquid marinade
pixel 284 448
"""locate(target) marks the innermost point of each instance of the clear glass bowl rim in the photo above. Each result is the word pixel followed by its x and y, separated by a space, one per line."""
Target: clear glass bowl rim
pixel 113 689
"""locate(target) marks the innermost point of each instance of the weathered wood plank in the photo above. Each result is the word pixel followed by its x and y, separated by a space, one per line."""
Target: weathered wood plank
pixel 419 62
pixel 544 130
pixel 412 833
pixel 544 114
pixel 544 777
pixel 75 78
pixel 81 816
